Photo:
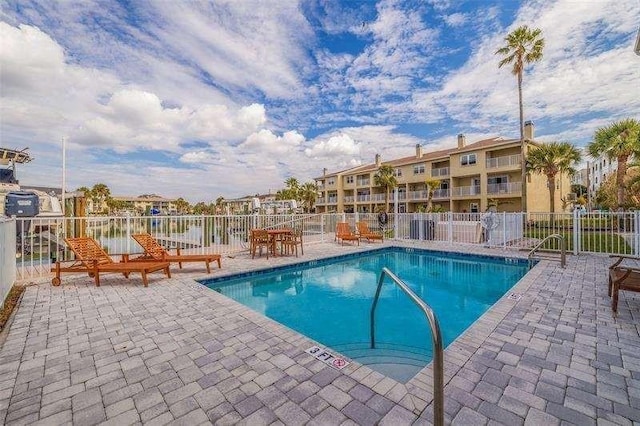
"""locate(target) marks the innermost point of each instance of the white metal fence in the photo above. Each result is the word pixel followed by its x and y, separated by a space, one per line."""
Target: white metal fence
pixel 38 242
pixel 7 257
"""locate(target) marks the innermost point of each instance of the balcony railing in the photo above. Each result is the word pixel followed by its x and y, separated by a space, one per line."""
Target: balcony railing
pixel 504 161
pixel 443 171
pixel 364 198
pixel 465 191
pixel 378 197
pixel 504 188
pixel 363 182
pixel 332 200
pixel 349 199
pixel 320 201
pixel 441 193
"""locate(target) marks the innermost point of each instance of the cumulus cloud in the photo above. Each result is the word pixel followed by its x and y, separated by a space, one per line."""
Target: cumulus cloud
pixel 455 19
pixel 267 142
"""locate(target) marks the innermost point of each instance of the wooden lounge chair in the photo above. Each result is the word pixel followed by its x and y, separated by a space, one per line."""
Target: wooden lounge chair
pixel 365 232
pixel 154 251
pixel 92 259
pixel 344 233
pixel 623 277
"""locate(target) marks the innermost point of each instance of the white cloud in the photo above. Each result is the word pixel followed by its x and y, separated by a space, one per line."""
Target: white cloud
pixel 455 19
pixel 265 142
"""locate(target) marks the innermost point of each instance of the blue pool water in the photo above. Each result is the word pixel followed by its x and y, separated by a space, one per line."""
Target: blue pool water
pixel 330 301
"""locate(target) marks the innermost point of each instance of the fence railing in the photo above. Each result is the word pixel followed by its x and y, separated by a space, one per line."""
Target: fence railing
pixel 38 242
pixel 7 257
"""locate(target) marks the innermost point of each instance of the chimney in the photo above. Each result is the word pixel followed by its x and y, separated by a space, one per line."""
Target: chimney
pixel 378 160
pixel 418 150
pixel 528 130
pixel 461 141
pixel 324 172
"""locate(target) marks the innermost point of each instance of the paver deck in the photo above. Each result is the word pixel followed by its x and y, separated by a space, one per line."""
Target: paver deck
pixel 179 353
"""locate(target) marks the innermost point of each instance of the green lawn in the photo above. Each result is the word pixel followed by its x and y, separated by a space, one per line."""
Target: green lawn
pixel 593 241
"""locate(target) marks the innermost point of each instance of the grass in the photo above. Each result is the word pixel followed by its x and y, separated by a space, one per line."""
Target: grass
pixel 9 304
pixel 592 241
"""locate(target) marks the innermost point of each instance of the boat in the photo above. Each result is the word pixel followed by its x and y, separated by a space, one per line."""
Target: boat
pixel 48 205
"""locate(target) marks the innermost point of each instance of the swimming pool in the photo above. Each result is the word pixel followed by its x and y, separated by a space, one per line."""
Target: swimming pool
pixel 330 300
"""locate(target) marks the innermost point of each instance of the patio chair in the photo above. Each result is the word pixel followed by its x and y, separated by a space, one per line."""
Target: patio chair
pixel 291 242
pixel 365 232
pixel 153 250
pixel 93 260
pixel 344 233
pixel 622 277
pixel 261 238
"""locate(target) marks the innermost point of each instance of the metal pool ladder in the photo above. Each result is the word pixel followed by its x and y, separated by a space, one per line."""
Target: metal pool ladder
pixel 563 249
pixel 436 338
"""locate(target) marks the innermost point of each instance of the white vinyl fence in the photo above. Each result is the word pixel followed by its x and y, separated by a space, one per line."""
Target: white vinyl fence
pixel 39 242
pixel 7 257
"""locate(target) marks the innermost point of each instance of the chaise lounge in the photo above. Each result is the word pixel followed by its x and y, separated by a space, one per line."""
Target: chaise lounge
pixel 93 260
pixel 154 251
pixel 365 232
pixel 622 277
pixel 344 233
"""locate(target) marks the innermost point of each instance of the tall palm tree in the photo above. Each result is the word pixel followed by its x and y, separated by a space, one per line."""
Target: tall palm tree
pixel 385 178
pixel 432 185
pixel 523 46
pixel 620 141
pixel 550 159
pixel 293 189
pixel 309 193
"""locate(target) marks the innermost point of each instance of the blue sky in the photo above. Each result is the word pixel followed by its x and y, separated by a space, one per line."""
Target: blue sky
pixel 229 98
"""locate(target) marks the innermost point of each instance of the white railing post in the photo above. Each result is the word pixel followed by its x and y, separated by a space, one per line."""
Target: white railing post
pixel 636 231
pixel 203 234
pixel 128 232
pixel 322 216
pixel 504 230
pixel 450 228
pixel 576 231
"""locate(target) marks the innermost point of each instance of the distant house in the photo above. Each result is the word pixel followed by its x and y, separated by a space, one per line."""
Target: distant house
pixel 143 204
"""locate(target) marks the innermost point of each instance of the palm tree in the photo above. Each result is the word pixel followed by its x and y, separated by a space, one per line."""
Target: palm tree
pixel 524 46
pixel 293 189
pixel 182 205
pixel 100 193
pixel 432 185
pixel 385 178
pixel 550 159
pixel 309 193
pixel 620 141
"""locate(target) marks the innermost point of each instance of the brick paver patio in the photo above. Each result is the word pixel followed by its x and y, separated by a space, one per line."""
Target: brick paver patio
pixel 179 353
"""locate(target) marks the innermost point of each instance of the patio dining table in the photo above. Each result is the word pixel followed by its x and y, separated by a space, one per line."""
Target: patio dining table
pixel 277 235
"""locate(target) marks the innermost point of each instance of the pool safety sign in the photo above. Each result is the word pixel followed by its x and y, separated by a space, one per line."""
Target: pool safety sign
pixel 327 357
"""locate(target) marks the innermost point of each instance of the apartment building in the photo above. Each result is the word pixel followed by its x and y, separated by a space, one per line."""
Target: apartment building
pixel 599 169
pixel 472 177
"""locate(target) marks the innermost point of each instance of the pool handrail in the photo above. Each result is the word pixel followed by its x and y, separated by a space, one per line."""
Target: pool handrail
pixel 436 337
pixel 563 249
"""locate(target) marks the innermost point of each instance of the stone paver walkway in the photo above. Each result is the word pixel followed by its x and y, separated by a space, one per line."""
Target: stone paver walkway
pixel 179 353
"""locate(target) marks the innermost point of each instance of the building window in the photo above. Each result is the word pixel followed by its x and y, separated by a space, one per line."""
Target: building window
pixel 398 173
pixel 349 179
pixel 473 207
pixel 418 170
pixel 331 181
pixel 468 159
